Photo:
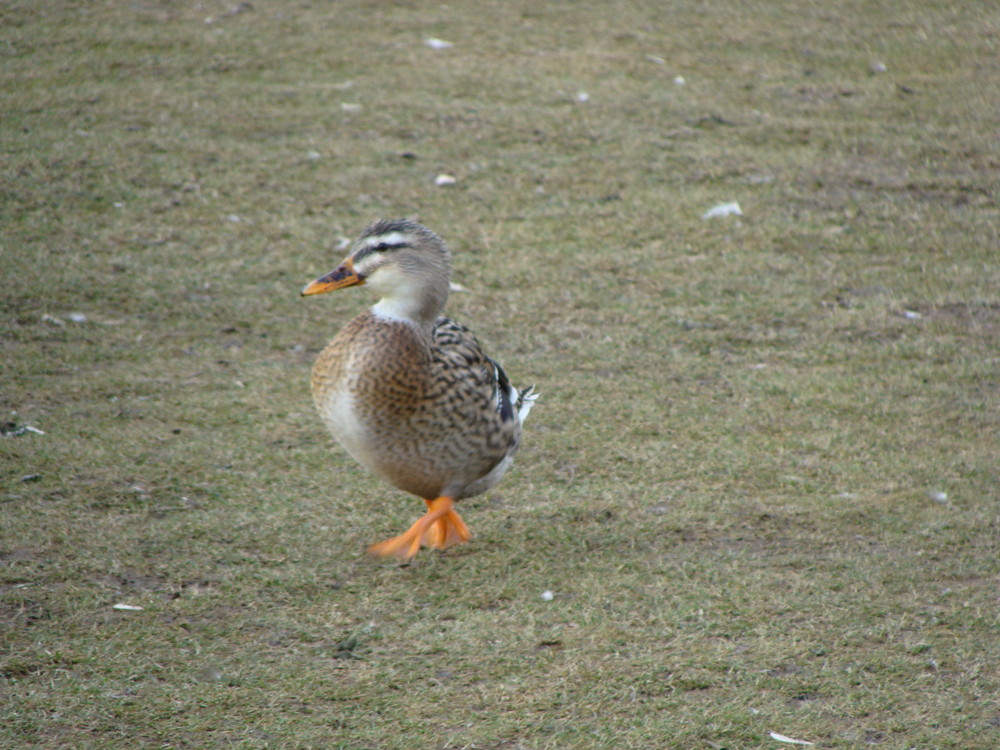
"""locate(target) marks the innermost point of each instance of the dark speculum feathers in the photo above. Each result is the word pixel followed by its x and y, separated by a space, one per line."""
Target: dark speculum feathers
pixel 504 406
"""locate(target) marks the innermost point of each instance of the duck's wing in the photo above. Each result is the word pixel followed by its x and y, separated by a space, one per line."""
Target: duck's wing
pixel 460 357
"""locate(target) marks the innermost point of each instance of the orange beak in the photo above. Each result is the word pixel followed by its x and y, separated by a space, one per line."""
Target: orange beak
pixel 343 275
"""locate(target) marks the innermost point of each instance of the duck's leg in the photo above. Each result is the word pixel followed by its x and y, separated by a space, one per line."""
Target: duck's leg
pixel 446 531
pixel 439 527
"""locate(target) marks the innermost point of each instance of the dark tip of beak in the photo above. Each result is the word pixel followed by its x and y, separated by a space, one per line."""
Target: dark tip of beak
pixel 343 275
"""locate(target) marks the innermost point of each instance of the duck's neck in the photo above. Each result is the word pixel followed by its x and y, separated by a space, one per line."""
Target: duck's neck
pixel 409 295
pixel 420 307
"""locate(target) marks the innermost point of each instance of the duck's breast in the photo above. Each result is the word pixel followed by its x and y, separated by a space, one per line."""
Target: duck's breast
pixel 369 386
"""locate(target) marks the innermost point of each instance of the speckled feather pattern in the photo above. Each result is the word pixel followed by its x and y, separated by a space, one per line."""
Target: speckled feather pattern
pixel 417 407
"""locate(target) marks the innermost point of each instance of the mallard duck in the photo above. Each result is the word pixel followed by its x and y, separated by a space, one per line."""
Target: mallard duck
pixel 410 394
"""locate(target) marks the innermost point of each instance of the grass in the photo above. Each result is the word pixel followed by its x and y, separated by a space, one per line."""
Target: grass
pixel 761 482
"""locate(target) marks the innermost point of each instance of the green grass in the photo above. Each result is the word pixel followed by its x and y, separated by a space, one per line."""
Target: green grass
pixel 762 479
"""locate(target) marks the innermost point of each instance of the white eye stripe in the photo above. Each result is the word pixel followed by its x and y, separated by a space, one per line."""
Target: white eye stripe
pixel 393 239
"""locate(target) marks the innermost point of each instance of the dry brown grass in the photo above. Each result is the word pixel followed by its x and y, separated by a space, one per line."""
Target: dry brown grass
pixel 762 479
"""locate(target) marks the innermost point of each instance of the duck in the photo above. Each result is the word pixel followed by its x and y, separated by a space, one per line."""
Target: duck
pixel 408 392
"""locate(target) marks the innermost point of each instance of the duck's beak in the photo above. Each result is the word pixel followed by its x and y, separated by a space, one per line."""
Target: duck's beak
pixel 343 275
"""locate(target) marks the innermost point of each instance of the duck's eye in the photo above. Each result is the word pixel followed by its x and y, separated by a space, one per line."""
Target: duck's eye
pixel 384 244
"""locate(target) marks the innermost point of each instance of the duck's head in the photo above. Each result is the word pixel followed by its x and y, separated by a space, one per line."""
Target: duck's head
pixel 405 262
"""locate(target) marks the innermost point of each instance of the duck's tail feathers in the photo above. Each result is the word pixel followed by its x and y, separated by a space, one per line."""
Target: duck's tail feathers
pixel 525 400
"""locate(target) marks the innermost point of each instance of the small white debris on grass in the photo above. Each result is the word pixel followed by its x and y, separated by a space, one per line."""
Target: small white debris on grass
pixel 583 97
pixel 22 430
pixel 77 317
pixel 656 59
pixel 350 107
pixel 314 155
pixel 912 315
pixel 878 67
pixel 679 81
pixel 455 287
pixel 548 596
pixel 127 607
pixel 789 740
pixel 443 180
pixel 937 496
pixel 731 208
pixel 435 43
pixel 233 218
pixel 46 318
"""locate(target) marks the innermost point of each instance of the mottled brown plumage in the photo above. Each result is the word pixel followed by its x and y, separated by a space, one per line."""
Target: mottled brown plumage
pixel 410 394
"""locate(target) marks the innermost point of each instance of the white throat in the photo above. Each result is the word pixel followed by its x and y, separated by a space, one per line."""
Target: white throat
pixel 393 308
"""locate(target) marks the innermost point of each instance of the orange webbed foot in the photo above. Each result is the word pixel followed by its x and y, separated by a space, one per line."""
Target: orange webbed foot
pixel 440 527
